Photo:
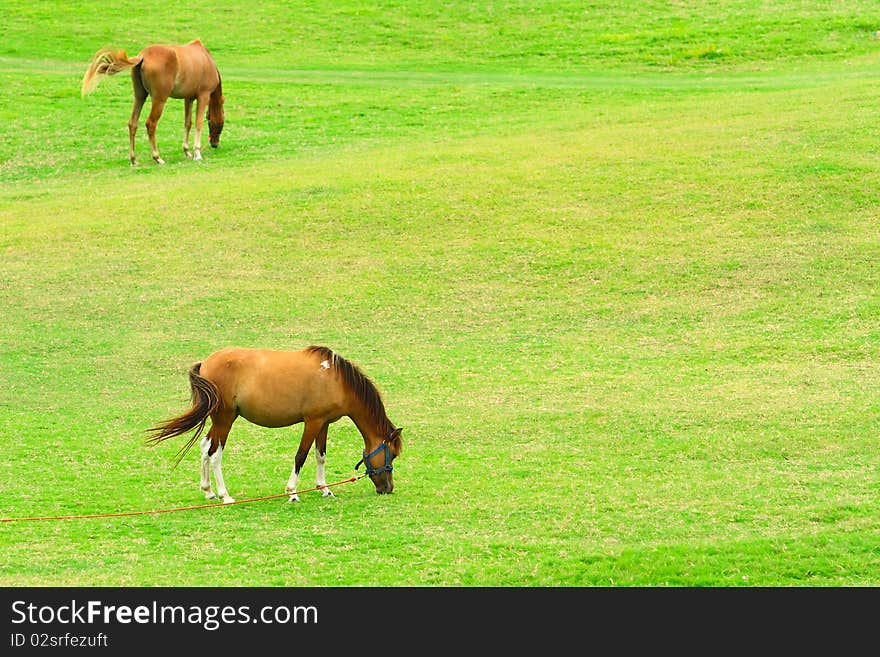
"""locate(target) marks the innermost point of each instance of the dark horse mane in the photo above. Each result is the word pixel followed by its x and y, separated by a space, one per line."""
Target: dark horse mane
pixel 358 383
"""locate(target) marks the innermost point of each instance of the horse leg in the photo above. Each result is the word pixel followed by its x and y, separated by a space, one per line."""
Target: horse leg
pixel 206 469
pixel 310 432
pixel 187 125
pixel 156 108
pixel 201 107
pixel 320 458
pixel 140 96
pixel 221 423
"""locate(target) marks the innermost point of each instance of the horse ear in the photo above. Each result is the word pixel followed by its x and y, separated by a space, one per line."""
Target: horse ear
pixel 395 435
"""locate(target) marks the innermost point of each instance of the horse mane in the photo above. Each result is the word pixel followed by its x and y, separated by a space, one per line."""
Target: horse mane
pixel 358 383
pixel 216 99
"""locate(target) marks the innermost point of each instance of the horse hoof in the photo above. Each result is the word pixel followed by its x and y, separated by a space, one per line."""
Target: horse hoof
pixel 159 160
pixel 293 498
pixel 327 493
pixel 210 496
pixel 228 500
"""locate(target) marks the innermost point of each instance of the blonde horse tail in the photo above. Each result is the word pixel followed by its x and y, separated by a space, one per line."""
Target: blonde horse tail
pixel 106 62
pixel 205 401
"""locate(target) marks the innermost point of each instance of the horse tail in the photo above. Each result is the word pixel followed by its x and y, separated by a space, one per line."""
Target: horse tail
pixel 205 401
pixel 106 62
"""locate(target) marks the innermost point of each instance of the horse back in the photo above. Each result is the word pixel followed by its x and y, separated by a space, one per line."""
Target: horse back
pixel 178 71
pixel 276 388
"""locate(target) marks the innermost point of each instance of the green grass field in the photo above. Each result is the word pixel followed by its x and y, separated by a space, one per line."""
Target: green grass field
pixel 612 265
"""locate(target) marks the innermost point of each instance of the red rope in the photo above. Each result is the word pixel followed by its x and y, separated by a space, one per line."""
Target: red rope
pixel 180 508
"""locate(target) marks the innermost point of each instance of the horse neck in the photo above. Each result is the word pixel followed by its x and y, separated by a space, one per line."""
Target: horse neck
pixel 374 430
pixel 216 99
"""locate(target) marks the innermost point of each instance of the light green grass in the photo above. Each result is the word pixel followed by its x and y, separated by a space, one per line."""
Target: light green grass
pixel 614 275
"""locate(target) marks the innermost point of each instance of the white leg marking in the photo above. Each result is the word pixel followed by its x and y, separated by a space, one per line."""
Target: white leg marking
pixel 291 486
pixel 217 463
pixel 320 478
pixel 206 469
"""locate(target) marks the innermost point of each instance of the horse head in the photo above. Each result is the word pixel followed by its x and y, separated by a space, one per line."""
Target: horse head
pixel 215 117
pixel 378 461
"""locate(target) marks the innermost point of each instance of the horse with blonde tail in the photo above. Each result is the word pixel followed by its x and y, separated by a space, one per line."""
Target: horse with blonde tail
pixel 274 389
pixel 162 72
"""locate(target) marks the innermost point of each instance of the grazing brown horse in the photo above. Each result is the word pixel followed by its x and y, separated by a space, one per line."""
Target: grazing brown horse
pixel 164 72
pixel 277 389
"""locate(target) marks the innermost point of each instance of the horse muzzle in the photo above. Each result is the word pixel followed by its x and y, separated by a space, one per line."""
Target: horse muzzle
pixel 384 483
pixel 214 130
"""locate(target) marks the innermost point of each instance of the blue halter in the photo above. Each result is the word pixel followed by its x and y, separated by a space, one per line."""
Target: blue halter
pixel 366 460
